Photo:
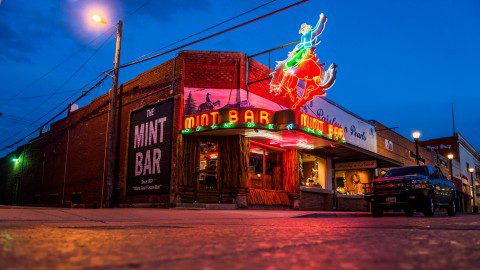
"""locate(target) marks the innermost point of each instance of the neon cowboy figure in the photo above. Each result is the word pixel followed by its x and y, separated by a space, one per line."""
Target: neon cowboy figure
pixel 307 41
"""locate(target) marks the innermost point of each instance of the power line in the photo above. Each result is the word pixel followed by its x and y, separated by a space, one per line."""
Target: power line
pixel 206 29
pixel 150 58
pixel 71 77
pixel 213 35
pixel 107 74
pixel 51 94
pixel 55 116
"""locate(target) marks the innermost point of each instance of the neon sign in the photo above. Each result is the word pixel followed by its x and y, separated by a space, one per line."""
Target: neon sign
pixel 302 68
pixel 261 119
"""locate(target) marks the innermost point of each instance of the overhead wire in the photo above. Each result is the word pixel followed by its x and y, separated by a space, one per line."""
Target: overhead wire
pixel 131 63
pixel 213 35
pixel 51 94
pixel 65 100
pixel 206 29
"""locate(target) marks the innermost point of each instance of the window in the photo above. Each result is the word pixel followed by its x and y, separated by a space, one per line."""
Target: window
pixel 407 171
pixel 208 165
pixel 264 168
pixel 313 172
pixel 351 182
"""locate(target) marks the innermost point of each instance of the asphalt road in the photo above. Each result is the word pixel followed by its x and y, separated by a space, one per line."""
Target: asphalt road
pixel 36 238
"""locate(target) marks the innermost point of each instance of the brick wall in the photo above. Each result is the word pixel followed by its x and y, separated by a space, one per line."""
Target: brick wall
pixel 50 176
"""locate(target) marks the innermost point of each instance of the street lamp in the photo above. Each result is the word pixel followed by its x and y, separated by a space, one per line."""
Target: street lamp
pixel 416 136
pixel 474 203
pixel 450 162
pixel 112 114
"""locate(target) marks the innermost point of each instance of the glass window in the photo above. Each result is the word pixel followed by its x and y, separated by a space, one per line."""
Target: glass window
pixel 264 168
pixel 422 170
pixel 352 182
pixel 208 165
pixel 314 170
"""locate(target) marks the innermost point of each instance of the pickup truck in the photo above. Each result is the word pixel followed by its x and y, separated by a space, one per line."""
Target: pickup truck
pixel 415 188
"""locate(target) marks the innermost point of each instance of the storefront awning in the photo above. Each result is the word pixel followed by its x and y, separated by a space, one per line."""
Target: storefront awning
pixel 341 152
pixel 348 152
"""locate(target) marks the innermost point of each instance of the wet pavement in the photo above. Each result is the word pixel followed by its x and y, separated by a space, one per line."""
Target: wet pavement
pixel 47 238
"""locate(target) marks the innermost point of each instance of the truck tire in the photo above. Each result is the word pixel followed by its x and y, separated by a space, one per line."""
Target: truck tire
pixel 429 206
pixel 452 208
pixel 377 210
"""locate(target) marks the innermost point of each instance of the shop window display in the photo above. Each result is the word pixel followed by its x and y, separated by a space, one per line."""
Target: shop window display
pixel 352 182
pixel 313 171
pixel 208 165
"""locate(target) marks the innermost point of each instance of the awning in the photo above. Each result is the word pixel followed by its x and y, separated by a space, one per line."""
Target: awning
pixel 348 152
pixel 310 144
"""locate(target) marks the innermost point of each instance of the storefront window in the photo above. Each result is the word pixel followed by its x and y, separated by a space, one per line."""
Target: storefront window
pixel 352 182
pixel 314 170
pixel 207 176
pixel 264 168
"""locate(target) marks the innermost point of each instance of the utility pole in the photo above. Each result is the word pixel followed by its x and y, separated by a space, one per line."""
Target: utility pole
pixel 112 117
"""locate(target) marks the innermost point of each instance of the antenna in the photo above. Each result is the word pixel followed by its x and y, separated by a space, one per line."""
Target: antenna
pixel 453 121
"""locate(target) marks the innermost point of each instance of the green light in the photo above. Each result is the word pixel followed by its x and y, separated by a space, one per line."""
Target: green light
pixel 186 131
pixel 199 128
pixel 250 124
pixel 296 59
pixel 319 133
pixel 16 160
pixel 271 126
pixel 228 125
pixel 214 126
pixel 290 126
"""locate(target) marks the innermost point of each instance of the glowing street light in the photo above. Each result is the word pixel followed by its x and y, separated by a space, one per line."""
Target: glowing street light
pixel 15 160
pixel 450 163
pixel 471 170
pixel 98 19
pixel 416 136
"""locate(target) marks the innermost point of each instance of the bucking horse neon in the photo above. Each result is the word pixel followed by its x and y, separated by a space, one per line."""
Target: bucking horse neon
pixel 302 65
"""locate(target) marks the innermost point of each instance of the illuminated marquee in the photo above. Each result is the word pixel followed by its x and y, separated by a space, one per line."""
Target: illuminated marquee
pixel 302 65
pixel 254 118
pixel 229 118
pixel 317 126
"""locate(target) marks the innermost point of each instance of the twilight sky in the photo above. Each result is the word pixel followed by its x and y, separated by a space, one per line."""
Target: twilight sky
pixel 401 62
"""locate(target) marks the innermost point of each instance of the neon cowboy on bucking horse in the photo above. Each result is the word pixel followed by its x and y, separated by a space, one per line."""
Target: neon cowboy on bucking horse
pixel 302 64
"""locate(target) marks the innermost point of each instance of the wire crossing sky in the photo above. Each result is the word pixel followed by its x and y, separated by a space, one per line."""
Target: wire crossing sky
pixel 402 63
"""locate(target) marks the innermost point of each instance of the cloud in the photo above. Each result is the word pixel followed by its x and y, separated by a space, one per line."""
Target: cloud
pixel 24 26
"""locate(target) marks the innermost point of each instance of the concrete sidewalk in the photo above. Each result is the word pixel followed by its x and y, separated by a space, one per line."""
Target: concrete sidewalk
pixel 44 214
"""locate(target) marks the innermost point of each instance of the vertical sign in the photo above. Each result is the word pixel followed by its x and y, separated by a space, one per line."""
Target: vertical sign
pixel 149 153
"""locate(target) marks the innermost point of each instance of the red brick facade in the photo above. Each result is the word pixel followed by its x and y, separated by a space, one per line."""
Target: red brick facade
pixel 65 166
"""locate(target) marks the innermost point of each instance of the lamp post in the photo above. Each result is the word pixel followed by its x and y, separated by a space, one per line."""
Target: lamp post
pixel 474 201
pixel 450 163
pixel 416 136
pixel 110 176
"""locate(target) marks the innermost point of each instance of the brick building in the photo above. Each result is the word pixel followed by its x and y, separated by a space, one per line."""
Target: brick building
pixel 203 127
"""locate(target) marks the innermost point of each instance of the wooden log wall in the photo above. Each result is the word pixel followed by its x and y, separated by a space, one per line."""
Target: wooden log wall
pixel 291 171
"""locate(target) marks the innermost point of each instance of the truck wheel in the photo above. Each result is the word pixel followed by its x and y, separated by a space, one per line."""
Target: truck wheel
pixel 429 206
pixel 452 208
pixel 409 211
pixel 377 210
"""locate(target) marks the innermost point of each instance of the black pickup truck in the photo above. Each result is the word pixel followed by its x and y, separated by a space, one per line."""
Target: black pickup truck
pixel 421 188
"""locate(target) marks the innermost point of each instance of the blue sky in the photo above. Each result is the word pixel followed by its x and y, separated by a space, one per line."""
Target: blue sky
pixel 401 62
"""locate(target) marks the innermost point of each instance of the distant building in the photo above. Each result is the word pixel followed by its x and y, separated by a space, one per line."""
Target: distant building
pixel 465 156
